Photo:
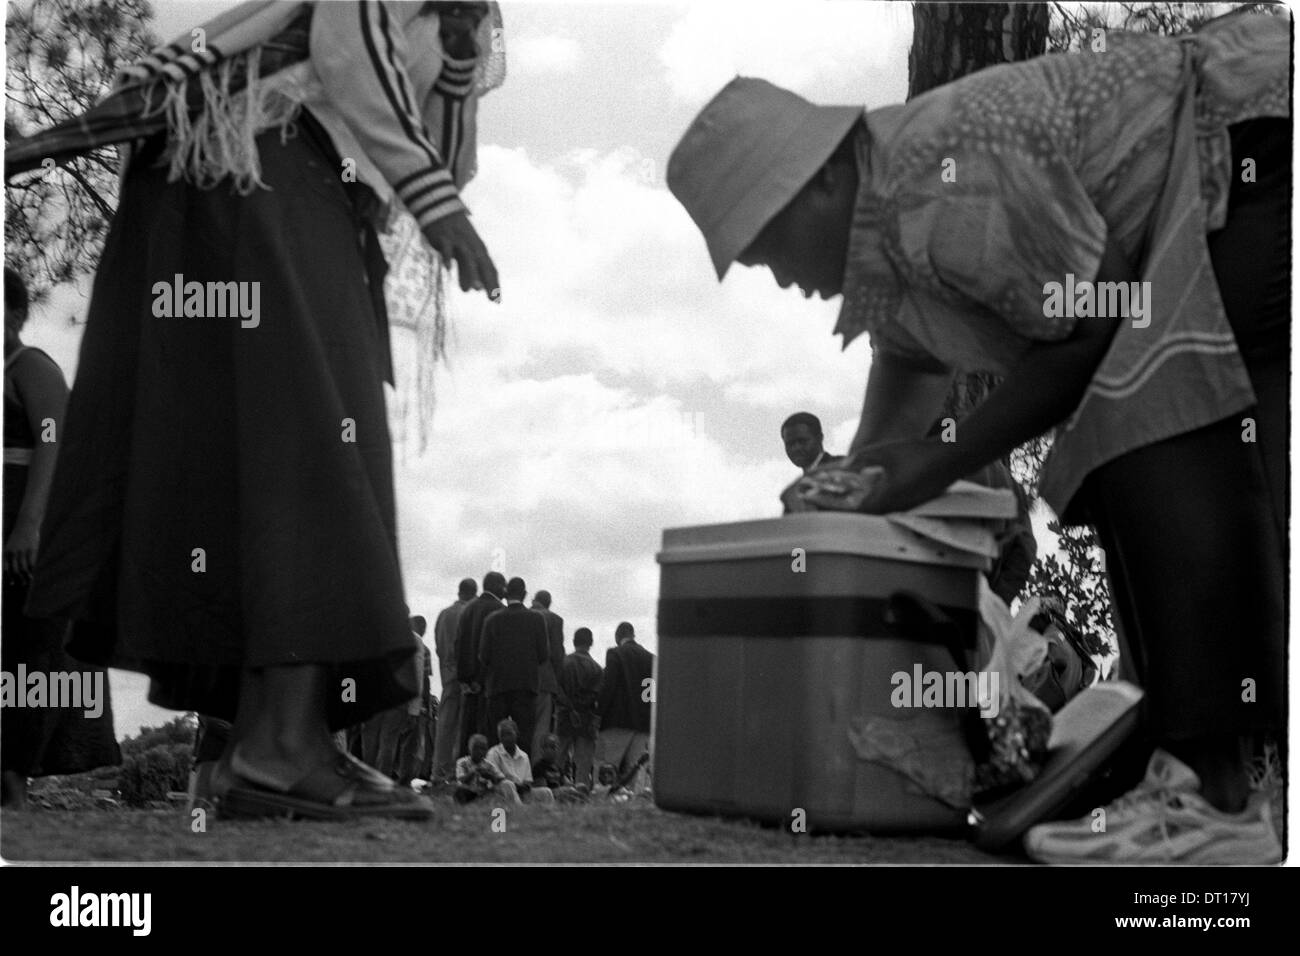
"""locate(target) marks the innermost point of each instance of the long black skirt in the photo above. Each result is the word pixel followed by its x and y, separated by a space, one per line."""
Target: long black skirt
pixel 224 492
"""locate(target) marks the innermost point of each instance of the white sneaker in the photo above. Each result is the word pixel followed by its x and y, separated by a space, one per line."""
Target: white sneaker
pixel 1163 820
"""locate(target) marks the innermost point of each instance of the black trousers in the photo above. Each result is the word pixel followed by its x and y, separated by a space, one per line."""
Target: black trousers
pixel 473 717
pixel 518 705
pixel 1194 527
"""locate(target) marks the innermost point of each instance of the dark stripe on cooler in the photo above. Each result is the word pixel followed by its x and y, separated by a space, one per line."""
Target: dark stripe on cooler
pixel 793 617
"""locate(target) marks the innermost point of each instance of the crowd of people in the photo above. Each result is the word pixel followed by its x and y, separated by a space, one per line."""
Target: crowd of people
pixel 517 716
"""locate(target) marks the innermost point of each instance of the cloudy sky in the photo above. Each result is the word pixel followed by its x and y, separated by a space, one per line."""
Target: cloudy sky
pixel 618 390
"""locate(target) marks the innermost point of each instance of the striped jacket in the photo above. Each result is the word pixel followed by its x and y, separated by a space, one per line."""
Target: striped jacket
pixel 373 72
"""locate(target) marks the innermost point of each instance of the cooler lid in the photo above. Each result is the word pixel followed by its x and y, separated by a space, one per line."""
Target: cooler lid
pixel 819 532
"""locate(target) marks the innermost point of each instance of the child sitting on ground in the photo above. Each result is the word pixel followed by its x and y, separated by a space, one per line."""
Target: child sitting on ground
pixel 474 775
pixel 548 772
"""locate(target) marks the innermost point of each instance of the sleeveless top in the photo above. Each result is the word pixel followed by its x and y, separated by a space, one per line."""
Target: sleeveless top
pixel 19 438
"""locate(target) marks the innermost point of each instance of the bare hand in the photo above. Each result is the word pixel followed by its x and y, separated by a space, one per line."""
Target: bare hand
pixel 915 472
pixel 20 551
pixel 455 240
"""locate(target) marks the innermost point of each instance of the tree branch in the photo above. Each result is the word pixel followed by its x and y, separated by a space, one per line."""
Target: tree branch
pixel 104 207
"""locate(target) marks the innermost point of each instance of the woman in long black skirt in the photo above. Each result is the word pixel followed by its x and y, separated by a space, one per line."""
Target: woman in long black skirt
pixel 223 514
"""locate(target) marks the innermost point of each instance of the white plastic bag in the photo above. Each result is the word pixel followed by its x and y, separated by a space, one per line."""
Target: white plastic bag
pixel 1017 650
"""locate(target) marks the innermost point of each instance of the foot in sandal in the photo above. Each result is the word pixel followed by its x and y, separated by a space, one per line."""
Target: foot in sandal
pixel 338 788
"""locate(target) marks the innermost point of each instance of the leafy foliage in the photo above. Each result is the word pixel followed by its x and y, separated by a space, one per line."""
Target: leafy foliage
pixel 1072 24
pixel 156 761
pixel 147 777
pixel 1078 575
pixel 178 731
pixel 62 57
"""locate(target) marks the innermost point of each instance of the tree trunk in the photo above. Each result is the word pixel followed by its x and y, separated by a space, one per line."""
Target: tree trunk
pixel 951 40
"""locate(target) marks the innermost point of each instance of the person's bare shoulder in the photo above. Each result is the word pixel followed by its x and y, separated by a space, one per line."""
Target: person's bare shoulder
pixel 33 369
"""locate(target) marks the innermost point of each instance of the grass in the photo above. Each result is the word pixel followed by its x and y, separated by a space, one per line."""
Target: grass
pixel 635 832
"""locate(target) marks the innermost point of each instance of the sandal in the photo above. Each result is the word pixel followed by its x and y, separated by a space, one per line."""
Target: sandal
pixel 210 779
pixel 376 778
pixel 337 790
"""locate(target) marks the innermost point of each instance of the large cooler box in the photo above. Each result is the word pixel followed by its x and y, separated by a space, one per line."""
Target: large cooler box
pixel 764 669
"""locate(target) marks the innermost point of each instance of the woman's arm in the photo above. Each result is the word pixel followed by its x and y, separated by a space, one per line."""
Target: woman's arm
pixel 44 394
pixel 359 51
pixel 1043 388
pixel 902 400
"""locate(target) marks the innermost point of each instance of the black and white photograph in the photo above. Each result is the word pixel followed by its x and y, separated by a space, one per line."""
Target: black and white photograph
pixel 678 433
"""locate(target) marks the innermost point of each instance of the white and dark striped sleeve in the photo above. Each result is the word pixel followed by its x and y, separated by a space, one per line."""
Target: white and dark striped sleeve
pixel 359 51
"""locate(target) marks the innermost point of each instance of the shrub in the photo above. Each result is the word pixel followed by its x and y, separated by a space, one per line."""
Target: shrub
pixel 177 731
pixel 147 777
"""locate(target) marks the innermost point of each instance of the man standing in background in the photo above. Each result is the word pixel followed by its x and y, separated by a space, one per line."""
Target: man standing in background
pixel 548 685
pixel 512 645
pixel 625 695
pixel 473 707
pixel 576 720
pixel 445 630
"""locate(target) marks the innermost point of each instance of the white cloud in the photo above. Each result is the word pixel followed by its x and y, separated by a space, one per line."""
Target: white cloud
pixel 616 391
pixel 531 55
pixel 824 51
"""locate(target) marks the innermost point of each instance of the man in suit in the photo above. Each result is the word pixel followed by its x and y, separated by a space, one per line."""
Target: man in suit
pixel 513 645
pixel 801 434
pixel 473 705
pixel 445 631
pixel 624 706
pixel 548 677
